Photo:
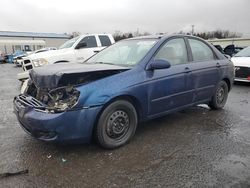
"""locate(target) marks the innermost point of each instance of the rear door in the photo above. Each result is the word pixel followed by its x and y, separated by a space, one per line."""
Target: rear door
pixel 168 87
pixel 205 69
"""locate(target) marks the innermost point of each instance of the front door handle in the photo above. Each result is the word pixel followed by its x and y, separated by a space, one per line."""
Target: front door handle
pixel 96 51
pixel 218 65
pixel 187 70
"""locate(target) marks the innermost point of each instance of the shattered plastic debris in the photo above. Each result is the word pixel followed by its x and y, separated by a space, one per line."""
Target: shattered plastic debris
pixel 204 106
pixel 49 156
pixel 64 160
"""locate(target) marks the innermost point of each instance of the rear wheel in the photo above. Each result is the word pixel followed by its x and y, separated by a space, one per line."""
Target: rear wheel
pixel 116 125
pixel 219 98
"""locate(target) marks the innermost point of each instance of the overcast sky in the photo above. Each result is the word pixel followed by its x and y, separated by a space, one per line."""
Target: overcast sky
pixel 95 16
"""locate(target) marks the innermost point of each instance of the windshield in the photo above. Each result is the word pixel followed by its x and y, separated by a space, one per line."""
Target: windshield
pixel 69 43
pixel 243 53
pixel 125 53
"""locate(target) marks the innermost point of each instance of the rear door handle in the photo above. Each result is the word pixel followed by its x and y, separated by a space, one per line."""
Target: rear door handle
pixel 96 51
pixel 187 70
pixel 218 65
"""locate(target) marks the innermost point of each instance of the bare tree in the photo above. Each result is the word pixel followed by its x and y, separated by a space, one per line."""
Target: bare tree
pixel 118 35
pixel 74 34
pixel 220 34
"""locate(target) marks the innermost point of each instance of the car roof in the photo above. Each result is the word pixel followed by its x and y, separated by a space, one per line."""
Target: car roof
pixel 162 36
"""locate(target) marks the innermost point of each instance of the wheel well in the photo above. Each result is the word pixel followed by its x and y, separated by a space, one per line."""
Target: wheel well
pixel 61 61
pixel 228 83
pixel 133 101
pixel 128 98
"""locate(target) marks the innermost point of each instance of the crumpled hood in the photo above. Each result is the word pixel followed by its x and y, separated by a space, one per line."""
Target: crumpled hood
pixel 63 74
pixel 47 54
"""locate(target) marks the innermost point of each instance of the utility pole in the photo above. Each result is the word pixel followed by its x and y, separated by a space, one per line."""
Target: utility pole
pixel 192 30
pixel 137 32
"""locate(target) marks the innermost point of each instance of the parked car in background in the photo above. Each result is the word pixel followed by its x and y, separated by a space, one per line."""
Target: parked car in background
pixel 2 57
pixel 218 47
pixel 17 57
pixel 241 61
pixel 75 50
pixel 131 81
pixel 231 50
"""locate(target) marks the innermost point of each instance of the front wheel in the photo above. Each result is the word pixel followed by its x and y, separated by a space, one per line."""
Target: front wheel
pixel 116 125
pixel 219 98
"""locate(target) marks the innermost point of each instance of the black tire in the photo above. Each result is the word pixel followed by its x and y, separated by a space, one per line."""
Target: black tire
pixel 219 98
pixel 117 124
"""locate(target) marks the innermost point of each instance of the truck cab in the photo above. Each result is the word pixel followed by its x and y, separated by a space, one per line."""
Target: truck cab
pixel 77 49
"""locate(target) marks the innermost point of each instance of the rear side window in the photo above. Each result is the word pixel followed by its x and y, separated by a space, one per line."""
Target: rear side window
pixel 200 51
pixel 174 51
pixel 105 41
pixel 90 41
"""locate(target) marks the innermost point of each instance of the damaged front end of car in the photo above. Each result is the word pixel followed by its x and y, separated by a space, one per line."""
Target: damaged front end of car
pixel 58 91
pixel 41 112
pixel 52 107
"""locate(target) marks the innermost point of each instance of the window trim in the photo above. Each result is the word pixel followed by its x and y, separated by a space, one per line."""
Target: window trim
pixel 191 53
pixel 166 41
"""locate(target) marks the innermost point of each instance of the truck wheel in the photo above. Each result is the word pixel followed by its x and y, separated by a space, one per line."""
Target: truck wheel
pixel 219 98
pixel 116 125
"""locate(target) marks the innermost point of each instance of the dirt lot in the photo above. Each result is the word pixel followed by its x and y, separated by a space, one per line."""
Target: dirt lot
pixel 193 148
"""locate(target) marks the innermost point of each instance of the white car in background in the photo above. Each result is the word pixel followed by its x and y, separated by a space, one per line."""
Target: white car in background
pixel 241 61
pixel 77 49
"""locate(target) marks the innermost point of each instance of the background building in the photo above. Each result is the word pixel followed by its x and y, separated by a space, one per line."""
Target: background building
pixel 11 41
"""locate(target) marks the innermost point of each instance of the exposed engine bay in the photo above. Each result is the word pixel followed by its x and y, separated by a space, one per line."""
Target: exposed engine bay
pixel 64 96
pixel 58 99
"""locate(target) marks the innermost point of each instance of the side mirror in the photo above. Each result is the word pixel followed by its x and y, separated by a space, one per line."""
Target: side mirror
pixel 81 45
pixel 158 64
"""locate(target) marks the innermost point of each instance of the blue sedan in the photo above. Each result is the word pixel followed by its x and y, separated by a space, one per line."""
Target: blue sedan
pixel 131 81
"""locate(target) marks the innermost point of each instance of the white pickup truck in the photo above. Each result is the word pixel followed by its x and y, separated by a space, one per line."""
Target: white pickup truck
pixel 77 49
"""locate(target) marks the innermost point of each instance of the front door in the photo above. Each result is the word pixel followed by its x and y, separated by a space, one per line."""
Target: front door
pixel 168 87
pixel 90 49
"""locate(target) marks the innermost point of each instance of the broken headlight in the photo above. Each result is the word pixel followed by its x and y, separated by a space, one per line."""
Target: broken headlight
pixel 63 98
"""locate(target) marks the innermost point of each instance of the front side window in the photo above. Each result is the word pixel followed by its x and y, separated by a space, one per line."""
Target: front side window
pixel 200 51
pixel 105 41
pixel 124 53
pixel 90 41
pixel 174 51
pixel 69 43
